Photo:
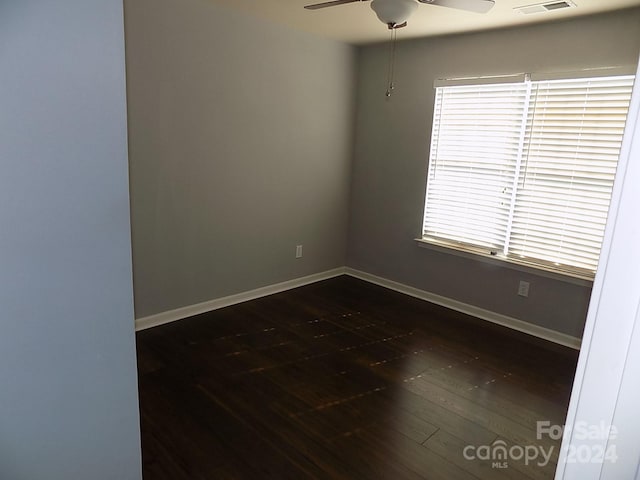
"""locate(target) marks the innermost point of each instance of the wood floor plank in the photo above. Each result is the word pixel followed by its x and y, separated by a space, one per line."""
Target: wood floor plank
pixel 443 418
pixel 411 426
pixel 387 454
pixel 490 391
pixel 477 413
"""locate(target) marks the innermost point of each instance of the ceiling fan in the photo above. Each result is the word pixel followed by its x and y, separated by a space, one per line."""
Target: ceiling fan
pixel 395 13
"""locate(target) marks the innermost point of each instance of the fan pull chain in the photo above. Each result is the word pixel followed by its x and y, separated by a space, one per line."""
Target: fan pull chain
pixel 392 61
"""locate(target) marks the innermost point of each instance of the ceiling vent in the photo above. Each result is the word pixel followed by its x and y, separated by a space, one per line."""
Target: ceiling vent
pixel 545 7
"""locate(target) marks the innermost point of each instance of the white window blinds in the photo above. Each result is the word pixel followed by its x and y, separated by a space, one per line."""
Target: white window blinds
pixel 476 138
pixel 525 170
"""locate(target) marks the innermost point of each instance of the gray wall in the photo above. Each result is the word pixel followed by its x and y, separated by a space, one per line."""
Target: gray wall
pixel 68 390
pixel 240 149
pixel 392 148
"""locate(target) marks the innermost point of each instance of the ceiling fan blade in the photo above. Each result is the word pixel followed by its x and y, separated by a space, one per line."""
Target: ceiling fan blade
pixel 317 6
pixel 477 6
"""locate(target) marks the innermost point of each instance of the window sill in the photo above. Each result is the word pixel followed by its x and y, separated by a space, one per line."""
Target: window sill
pixel 481 256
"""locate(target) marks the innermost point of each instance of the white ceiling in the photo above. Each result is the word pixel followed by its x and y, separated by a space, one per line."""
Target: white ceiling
pixel 356 23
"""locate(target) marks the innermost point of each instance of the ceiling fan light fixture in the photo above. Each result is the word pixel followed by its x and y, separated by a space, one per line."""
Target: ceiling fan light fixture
pixel 394 12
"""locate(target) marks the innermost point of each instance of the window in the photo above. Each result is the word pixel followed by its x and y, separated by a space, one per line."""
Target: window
pixel 524 171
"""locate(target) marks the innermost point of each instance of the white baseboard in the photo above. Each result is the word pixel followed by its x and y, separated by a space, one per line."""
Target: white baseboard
pixel 510 322
pixel 493 317
pixel 191 310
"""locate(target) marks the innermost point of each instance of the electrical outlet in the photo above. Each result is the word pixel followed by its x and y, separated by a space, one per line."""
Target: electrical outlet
pixel 523 289
pixel 298 251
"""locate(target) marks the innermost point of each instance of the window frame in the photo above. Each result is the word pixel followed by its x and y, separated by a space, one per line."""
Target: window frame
pixel 536 266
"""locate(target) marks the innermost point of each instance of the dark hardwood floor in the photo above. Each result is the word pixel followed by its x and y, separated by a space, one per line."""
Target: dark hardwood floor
pixel 343 379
